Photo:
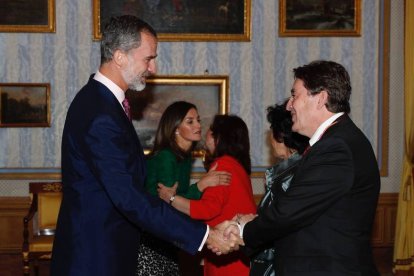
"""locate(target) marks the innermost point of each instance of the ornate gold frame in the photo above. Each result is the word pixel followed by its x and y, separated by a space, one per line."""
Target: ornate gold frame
pixel 220 80
pixel 49 28
pixel 219 85
pixel 97 35
pixel 284 31
pixel 24 87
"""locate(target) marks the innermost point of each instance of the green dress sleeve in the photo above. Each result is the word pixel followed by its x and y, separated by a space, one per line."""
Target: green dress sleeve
pixel 192 192
pixel 164 168
pixel 161 168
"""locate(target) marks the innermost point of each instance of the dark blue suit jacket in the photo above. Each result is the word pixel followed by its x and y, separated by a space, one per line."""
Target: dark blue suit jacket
pixel 322 224
pixel 104 204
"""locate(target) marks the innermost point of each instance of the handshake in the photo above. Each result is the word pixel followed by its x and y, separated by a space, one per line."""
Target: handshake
pixel 227 236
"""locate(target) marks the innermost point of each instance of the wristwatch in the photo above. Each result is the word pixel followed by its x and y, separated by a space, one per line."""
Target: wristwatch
pixel 172 199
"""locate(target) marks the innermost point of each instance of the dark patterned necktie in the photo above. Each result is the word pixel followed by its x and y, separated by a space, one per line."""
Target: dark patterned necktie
pixel 306 150
pixel 334 123
pixel 127 108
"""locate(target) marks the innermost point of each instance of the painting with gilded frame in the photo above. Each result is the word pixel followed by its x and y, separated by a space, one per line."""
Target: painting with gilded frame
pixel 34 16
pixel 319 18
pixel 182 20
pixel 209 93
pixel 24 105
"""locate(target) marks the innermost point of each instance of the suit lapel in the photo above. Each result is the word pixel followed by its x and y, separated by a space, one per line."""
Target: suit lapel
pixel 103 92
pixel 338 123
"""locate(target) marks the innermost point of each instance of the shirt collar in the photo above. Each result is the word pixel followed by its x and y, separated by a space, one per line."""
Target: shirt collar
pixel 321 129
pixel 115 89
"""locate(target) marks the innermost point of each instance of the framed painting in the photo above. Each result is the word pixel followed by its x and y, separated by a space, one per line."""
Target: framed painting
pixel 319 18
pixel 25 105
pixel 182 20
pixel 37 16
pixel 209 93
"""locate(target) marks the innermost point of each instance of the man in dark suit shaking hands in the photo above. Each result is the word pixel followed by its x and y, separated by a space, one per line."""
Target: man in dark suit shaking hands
pixel 322 224
pixel 104 205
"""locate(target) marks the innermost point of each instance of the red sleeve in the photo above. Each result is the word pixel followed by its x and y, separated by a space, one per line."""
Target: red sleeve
pixel 212 201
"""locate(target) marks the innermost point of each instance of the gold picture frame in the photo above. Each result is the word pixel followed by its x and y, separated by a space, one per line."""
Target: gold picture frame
pixel 209 93
pixel 24 105
pixel 384 83
pixel 318 18
pixel 27 16
pixel 213 20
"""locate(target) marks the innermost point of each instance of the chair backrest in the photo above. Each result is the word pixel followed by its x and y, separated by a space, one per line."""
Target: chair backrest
pixel 47 196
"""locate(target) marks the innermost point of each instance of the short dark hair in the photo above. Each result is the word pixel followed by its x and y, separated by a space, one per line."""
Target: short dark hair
pixel 122 33
pixel 232 138
pixel 281 125
pixel 171 118
pixel 329 76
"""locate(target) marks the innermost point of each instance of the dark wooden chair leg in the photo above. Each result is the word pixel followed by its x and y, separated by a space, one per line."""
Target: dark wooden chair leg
pixel 36 268
pixel 26 264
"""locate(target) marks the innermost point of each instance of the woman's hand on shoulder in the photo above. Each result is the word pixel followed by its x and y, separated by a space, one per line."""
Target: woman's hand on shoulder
pixel 214 178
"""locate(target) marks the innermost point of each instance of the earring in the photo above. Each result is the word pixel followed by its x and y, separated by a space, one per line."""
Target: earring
pixel 176 132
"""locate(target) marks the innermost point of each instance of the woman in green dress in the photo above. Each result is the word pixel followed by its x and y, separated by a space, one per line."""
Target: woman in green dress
pixel 170 163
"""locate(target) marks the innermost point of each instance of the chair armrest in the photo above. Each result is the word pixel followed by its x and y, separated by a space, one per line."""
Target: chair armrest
pixel 26 219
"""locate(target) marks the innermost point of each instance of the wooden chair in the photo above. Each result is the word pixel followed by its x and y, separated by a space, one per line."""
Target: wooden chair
pixel 40 223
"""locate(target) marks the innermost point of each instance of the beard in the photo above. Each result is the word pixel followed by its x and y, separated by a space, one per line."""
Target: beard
pixel 135 83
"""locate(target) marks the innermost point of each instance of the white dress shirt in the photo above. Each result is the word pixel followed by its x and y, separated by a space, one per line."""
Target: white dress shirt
pixel 321 129
pixel 115 89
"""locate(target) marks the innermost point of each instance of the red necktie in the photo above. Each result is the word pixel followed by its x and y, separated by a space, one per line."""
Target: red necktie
pixel 127 108
pixel 306 150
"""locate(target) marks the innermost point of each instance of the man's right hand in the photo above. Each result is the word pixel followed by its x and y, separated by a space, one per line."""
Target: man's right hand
pixel 220 243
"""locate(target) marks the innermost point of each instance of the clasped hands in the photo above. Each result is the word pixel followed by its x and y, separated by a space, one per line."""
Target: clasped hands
pixel 226 237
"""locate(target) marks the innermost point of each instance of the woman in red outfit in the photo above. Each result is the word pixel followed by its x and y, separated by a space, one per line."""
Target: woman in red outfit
pixel 227 141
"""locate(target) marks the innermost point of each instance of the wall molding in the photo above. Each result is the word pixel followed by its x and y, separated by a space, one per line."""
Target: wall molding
pixel 13 209
pixel 384 225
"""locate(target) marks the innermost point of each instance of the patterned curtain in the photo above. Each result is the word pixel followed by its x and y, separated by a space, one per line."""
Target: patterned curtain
pixel 404 236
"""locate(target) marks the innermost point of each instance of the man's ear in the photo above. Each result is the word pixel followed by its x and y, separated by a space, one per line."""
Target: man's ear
pixel 323 99
pixel 119 58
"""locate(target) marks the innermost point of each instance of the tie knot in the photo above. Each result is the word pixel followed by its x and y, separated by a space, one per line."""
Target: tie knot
pixel 127 108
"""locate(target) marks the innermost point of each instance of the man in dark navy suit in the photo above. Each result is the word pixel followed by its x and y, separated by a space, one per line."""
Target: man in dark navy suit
pixel 104 204
pixel 322 224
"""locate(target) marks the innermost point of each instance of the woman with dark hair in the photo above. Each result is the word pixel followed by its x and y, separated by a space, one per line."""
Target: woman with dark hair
pixel 170 163
pixel 227 141
pixel 288 147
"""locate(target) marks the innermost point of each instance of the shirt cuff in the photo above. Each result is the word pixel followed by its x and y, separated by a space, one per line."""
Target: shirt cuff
pixel 204 239
pixel 241 228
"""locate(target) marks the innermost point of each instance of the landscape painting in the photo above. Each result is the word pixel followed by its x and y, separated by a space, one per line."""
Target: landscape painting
pixel 24 105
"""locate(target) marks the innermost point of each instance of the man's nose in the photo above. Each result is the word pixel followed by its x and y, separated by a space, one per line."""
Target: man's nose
pixel 289 104
pixel 152 68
